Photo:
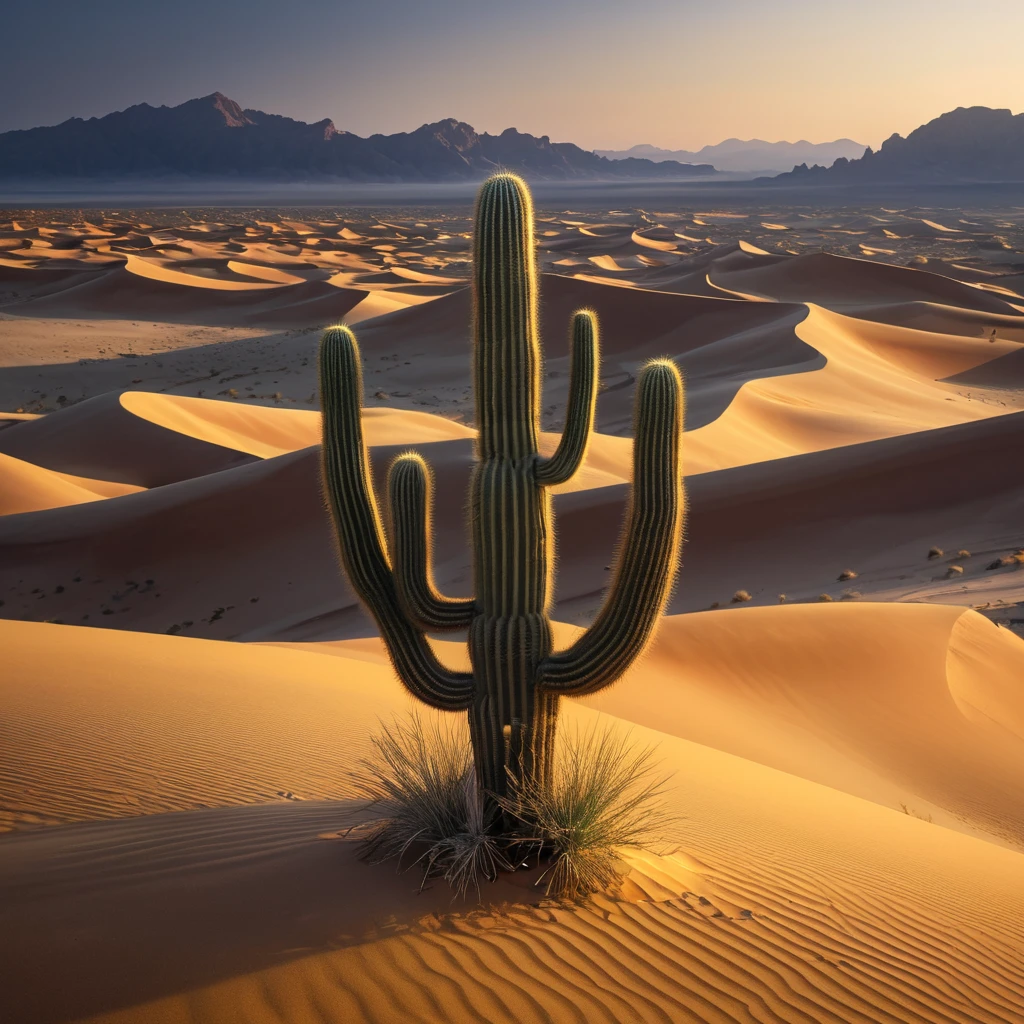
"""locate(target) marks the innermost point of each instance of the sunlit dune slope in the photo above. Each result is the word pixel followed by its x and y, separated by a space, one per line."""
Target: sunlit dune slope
pixel 908 705
pixel 877 381
pixel 152 290
pixel 781 893
pixel 158 439
pixel 25 487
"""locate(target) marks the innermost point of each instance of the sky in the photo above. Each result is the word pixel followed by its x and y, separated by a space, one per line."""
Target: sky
pixel 601 73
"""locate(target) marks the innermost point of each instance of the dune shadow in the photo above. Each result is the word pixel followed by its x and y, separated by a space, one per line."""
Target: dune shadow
pixel 139 908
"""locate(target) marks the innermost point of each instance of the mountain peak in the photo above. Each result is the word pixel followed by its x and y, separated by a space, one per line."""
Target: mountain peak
pixel 234 116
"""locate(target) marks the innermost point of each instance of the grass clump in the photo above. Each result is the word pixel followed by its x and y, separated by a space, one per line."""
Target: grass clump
pixel 825 597
pixel 424 810
pixel 935 552
pixel 423 804
pixel 740 596
pixel 1017 558
pixel 606 796
pixel 847 574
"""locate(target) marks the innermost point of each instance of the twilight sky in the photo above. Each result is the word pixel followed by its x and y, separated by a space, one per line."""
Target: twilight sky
pixel 600 73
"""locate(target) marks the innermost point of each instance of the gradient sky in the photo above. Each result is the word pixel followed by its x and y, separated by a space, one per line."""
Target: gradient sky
pixel 601 73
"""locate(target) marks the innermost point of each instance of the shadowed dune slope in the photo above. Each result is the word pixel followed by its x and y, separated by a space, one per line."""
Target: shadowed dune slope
pixel 840 281
pixel 103 438
pixel 781 893
pixel 260 531
pixel 165 295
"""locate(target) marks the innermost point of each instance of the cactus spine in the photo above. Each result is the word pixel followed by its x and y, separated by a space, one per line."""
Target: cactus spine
pixel 517 680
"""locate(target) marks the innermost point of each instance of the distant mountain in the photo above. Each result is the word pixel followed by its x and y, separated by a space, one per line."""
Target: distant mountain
pixel 969 144
pixel 750 156
pixel 214 137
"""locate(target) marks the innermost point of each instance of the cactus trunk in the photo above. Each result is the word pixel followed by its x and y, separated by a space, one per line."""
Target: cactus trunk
pixel 509 509
pixel 517 680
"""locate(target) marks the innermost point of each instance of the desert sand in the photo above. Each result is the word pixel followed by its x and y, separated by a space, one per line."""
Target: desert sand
pixel 187 678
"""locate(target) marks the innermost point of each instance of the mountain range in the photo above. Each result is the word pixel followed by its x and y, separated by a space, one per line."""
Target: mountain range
pixel 969 144
pixel 213 137
pixel 748 156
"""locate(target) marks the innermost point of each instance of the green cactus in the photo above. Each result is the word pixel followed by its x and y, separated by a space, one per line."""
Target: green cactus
pixel 517 679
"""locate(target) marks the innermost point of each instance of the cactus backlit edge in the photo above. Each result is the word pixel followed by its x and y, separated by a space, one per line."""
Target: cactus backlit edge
pixel 517 680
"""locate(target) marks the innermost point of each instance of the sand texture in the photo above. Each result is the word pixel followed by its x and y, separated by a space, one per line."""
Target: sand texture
pixel 187 680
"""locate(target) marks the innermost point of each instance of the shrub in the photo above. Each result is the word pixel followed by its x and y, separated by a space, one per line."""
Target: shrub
pixel 1017 558
pixel 962 553
pixel 424 808
pixel 782 598
pixel 825 597
pixel 740 596
pixel 605 796
pixel 953 571
pixel 935 552
pixel 847 574
pixel 423 801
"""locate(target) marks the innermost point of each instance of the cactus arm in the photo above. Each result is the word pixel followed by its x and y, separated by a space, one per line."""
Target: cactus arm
pixel 649 547
pixel 579 418
pixel 409 501
pixel 349 491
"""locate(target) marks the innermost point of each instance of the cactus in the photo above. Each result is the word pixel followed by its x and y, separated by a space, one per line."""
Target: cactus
pixel 512 693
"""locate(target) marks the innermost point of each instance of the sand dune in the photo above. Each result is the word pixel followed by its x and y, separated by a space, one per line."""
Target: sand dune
pixel 25 487
pixel 187 680
pixel 102 438
pixel 196 539
pixel 736 914
pixel 837 282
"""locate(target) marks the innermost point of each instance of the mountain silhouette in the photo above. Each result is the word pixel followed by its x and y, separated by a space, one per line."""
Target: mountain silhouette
pixel 969 144
pixel 214 137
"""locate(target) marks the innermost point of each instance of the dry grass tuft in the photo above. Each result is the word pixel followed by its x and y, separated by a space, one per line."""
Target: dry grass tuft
pixel 935 552
pixel 606 796
pixel 782 598
pixel 1017 558
pixel 847 574
pixel 850 595
pixel 423 802
pixel 962 553
pixel 424 809
pixel 825 597
pixel 740 596
pixel 954 570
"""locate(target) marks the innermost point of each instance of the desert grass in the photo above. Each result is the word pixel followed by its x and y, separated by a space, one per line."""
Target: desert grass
pixel 423 809
pixel 740 596
pixel 1017 559
pixel 423 805
pixel 606 795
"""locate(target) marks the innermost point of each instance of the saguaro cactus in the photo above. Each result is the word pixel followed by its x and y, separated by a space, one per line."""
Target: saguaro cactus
pixel 517 679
